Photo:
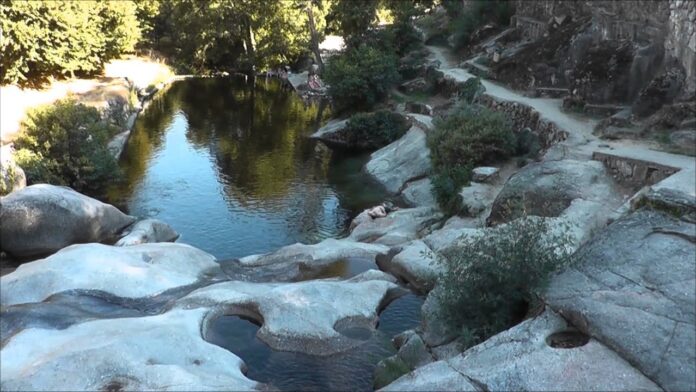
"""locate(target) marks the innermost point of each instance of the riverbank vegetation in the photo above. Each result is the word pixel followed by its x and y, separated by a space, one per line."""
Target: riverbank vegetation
pixel 469 135
pixel 492 282
pixel 65 144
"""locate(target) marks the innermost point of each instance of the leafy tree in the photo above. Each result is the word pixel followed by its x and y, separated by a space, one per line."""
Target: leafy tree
pixel 65 143
pixel 353 18
pixel 49 38
pixel 360 77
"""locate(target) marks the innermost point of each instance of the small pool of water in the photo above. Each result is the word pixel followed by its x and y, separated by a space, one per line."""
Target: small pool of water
pixel 227 163
pixel 289 371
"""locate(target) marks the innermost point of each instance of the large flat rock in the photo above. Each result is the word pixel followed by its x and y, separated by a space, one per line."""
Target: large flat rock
pixel 42 219
pixel 520 359
pixel 300 316
pixel 164 352
pixel 128 272
pixel 397 163
pixel 634 288
pixel 397 227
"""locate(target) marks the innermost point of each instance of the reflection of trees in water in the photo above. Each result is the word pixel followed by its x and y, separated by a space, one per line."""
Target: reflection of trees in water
pixel 257 134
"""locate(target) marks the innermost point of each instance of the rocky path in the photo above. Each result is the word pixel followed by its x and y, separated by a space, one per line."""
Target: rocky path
pixel 581 143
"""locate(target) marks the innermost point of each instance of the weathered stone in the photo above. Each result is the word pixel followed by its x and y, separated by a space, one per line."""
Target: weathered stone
pixel 477 198
pixel 522 359
pixel 484 173
pixel 405 159
pixel 12 177
pixel 301 262
pixel 435 329
pixel 415 263
pixel 684 140
pixel 147 231
pixel 419 193
pixel 417 85
pixel 300 316
pixel 419 108
pixel 547 188
pixel 632 287
pixel 128 272
pixel 164 352
pixel 43 218
pixel 396 228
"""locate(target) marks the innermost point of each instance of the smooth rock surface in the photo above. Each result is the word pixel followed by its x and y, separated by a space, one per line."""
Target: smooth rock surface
pixel 634 288
pixel 520 359
pixel 42 219
pixel 164 352
pixel 477 198
pixel 325 133
pixel 419 193
pixel 403 160
pixel 484 173
pixel 129 272
pixel 396 228
pixel 148 231
pixel 300 262
pixel 415 263
pixel 547 188
pixel 299 316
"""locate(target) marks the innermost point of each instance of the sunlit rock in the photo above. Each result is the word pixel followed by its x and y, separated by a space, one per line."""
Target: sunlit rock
pixel 147 231
pixel 130 272
pixel 42 219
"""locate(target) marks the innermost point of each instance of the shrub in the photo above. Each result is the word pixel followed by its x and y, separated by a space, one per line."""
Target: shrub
pixel 467 137
pixel 65 144
pixel 470 90
pixel 490 281
pixel 370 131
pixel 465 21
pixel 360 77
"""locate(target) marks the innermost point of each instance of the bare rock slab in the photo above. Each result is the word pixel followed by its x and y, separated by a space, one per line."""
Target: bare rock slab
pixel 634 288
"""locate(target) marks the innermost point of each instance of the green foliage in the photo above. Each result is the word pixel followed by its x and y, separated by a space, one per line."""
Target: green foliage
pixel 470 90
pixel 353 18
pixel 50 38
pixel 464 21
pixel 490 281
pixel 65 144
pixel 360 77
pixel 467 137
pixel 371 131
pixel 447 182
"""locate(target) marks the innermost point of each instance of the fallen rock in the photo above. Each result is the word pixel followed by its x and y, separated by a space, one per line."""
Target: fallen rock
pixel 547 188
pixel 301 262
pixel 523 359
pixel 148 231
pixel 128 272
pixel 42 219
pixel 396 228
pixel 436 331
pixel 301 316
pixel 419 193
pixel 417 85
pixel 484 173
pixel 412 354
pixel 414 263
pixel 403 160
pixel 632 287
pixel 164 352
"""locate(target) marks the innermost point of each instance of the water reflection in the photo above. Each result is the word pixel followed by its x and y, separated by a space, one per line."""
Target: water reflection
pixel 227 163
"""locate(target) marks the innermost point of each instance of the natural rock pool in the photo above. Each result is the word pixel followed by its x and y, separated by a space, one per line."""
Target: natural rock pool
pixel 227 163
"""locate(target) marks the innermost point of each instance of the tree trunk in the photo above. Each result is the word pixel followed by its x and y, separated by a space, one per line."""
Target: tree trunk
pixel 314 37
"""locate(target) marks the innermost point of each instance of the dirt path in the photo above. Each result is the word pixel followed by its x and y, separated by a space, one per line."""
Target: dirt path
pixel 581 143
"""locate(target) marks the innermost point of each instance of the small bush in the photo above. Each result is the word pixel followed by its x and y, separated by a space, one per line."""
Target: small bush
pixel 467 137
pixel 370 131
pixel 470 90
pixel 447 183
pixel 360 77
pixel 490 281
pixel 65 144
pixel 465 21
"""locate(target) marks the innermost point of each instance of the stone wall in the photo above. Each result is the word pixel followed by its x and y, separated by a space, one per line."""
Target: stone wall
pixel 523 116
pixel 681 38
pixel 634 172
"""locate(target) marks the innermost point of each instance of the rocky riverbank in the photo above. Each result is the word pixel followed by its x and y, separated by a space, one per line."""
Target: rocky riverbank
pixel 120 316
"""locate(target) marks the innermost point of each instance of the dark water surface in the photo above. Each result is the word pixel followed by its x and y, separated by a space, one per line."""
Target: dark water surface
pixel 227 163
pixel 289 371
